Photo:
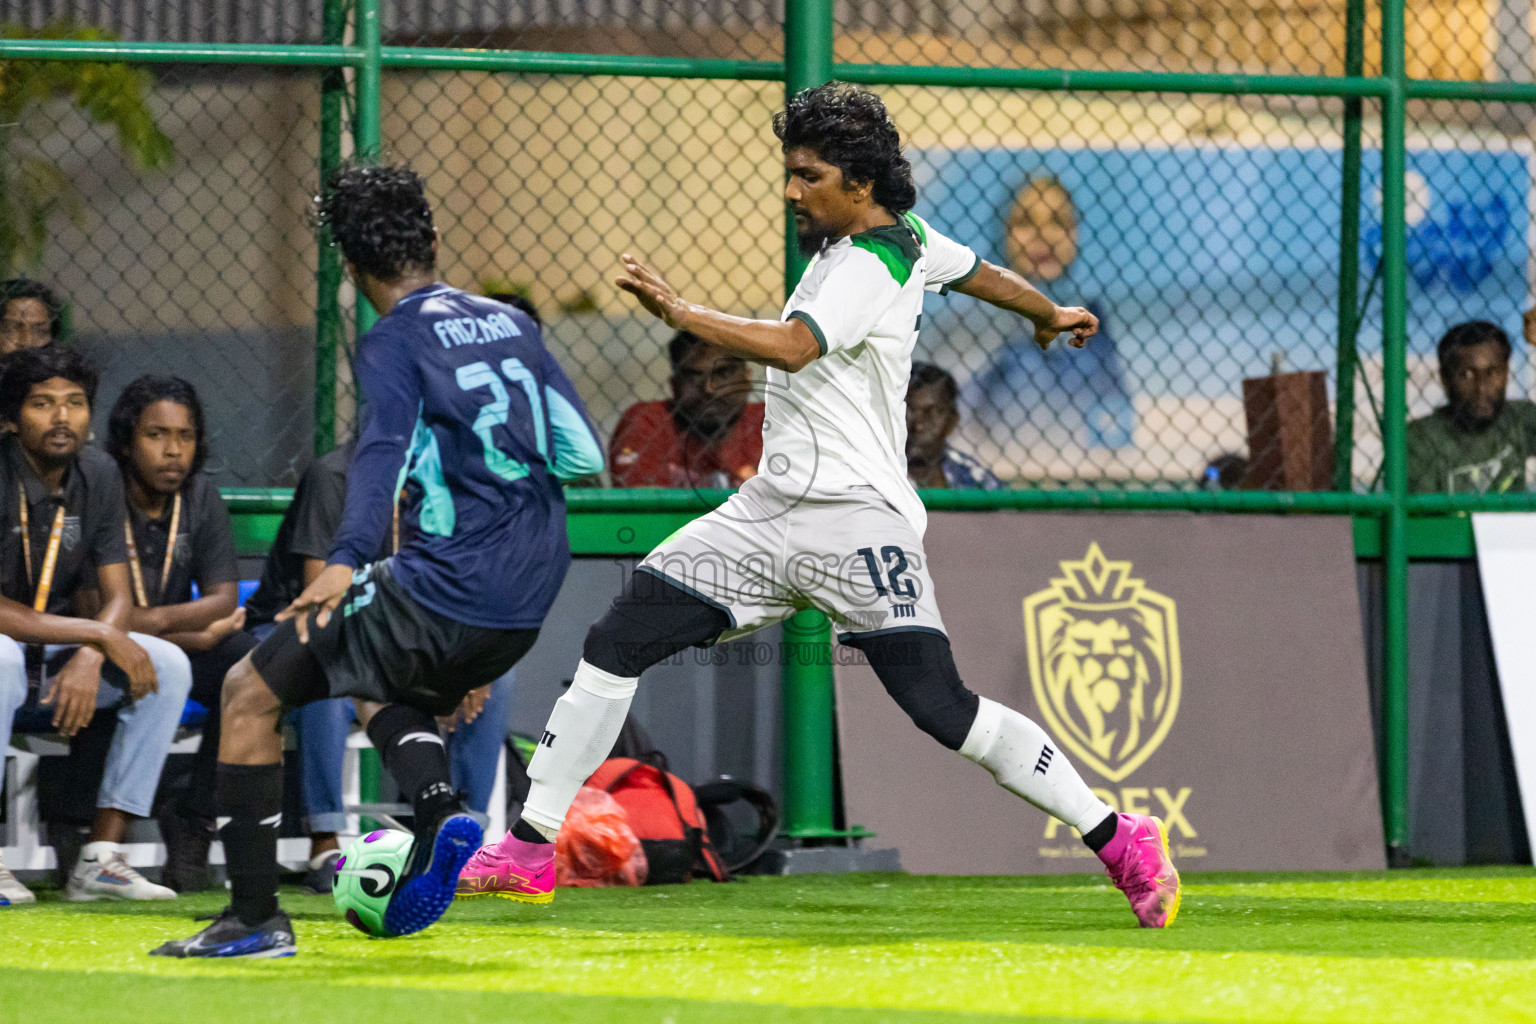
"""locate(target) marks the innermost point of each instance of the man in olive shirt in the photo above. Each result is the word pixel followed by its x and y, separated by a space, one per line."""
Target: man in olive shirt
pixel 61 530
pixel 1476 443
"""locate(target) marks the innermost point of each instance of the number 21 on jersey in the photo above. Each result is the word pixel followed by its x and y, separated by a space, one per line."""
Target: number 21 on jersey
pixel 498 409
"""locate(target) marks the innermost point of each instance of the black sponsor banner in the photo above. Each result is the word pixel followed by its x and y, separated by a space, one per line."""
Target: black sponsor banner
pixel 1206 669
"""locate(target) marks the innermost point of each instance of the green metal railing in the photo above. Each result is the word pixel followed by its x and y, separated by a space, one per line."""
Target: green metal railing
pixel 808 60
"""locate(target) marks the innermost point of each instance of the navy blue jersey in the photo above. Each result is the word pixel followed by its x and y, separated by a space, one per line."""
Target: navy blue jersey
pixel 466 409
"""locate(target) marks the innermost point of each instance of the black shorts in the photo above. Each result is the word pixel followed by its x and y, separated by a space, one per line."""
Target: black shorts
pixel 380 645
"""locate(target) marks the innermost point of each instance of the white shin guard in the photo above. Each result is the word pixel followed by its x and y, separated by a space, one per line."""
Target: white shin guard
pixel 581 731
pixel 1024 761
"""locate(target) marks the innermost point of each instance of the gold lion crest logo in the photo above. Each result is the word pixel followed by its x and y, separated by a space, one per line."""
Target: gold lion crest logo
pixel 1104 663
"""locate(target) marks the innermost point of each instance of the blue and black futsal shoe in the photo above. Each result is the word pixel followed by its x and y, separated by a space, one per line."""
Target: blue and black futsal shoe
pixel 228 936
pixel 432 876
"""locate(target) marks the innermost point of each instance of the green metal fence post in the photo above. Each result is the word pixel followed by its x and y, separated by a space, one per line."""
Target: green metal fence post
pixel 1395 413
pixel 807 667
pixel 365 131
pixel 333 85
pixel 1349 255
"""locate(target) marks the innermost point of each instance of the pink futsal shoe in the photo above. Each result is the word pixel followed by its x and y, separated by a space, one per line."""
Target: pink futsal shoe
pixel 1138 863
pixel 511 869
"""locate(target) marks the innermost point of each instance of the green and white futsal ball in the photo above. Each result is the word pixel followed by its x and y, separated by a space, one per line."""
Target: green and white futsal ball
pixel 366 876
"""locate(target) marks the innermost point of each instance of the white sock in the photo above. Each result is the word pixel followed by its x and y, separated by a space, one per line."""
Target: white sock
pixel 1024 761
pixel 581 731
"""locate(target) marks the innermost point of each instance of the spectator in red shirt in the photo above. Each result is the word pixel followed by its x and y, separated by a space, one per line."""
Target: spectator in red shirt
pixel 706 435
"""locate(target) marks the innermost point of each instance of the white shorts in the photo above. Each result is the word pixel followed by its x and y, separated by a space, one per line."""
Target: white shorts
pixel 762 556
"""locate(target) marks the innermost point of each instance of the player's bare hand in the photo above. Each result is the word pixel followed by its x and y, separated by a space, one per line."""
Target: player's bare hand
pixel 659 298
pixel 469 708
pixel 133 660
pixel 72 692
pixel 322 597
pixel 1081 323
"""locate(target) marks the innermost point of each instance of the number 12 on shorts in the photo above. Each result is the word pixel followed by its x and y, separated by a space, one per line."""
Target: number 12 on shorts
pixel 498 410
pixel 894 557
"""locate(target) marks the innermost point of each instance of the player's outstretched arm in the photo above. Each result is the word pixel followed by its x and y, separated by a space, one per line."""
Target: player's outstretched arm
pixel 1007 290
pixel 785 345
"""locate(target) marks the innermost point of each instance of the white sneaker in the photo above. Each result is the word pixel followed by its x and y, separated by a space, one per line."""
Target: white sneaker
pixel 12 891
pixel 102 873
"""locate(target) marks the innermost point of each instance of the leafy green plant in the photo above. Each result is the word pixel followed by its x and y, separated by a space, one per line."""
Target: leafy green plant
pixel 34 188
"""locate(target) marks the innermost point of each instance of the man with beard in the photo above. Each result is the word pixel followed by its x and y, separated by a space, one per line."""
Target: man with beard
pixel 1476 443
pixel 830 521
pixel 61 530
pixel 706 435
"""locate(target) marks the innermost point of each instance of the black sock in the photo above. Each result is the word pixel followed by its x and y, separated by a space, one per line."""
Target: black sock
pixel 251 796
pixel 1099 836
pixel 413 753
pixel 527 833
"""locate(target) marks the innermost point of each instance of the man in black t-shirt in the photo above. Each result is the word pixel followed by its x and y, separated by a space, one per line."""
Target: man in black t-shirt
pixel 180 535
pixel 61 530
pixel 304 536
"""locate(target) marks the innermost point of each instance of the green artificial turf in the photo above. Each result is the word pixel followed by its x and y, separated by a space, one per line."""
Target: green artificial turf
pixel 1431 946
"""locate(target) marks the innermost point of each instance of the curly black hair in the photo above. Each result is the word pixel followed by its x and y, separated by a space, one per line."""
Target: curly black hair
pixel 139 395
pixel 849 128
pixel 25 288
pixel 380 217
pixel 20 370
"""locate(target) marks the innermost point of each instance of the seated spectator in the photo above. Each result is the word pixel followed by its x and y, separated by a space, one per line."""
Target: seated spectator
pixel 298 556
pixel 706 435
pixel 30 315
pixel 1476 443
pixel 180 535
pixel 61 513
pixel 932 416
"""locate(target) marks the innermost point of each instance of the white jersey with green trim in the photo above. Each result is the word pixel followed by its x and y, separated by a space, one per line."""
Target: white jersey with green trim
pixel 841 422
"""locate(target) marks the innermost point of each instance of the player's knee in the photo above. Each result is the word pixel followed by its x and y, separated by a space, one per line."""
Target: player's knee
pixel 918 670
pixel 947 719
pixel 246 695
pixel 614 649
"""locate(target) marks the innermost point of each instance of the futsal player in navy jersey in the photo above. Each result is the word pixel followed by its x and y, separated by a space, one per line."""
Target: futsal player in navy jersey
pixel 468 411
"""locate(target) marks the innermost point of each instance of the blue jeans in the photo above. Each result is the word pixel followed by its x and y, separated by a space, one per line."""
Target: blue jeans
pixel 145 727
pixel 473 751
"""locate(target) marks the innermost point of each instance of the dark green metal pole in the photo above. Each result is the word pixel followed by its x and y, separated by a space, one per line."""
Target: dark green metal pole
pixel 807 672
pixel 328 328
pixel 1395 414
pixel 1349 255
pixel 366 132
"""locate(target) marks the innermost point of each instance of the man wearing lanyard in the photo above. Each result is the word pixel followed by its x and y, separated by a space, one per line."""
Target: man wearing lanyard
pixel 478 728
pixel 61 512
pixel 177 534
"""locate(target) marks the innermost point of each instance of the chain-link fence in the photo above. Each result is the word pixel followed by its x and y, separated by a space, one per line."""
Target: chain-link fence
pixel 1204 229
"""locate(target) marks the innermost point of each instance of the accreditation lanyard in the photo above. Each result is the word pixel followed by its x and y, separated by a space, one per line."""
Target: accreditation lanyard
pixel 137 571
pixel 50 556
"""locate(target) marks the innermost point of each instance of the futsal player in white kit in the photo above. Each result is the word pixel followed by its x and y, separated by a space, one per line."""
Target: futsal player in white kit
pixel 830 521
